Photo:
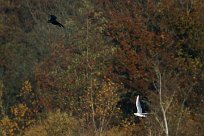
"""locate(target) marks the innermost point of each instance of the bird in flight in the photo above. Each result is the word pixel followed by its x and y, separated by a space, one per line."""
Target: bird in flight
pixel 54 21
pixel 139 109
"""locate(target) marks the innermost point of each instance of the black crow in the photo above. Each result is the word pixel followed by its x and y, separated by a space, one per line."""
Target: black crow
pixel 54 21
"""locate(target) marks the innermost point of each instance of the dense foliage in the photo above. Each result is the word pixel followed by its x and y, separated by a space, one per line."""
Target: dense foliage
pixel 83 79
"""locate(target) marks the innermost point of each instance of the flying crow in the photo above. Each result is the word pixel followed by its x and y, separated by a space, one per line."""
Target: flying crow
pixel 54 21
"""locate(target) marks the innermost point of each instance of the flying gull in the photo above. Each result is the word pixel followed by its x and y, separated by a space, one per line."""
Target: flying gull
pixel 139 109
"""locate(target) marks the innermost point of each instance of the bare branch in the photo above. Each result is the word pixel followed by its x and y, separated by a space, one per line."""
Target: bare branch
pixel 160 100
pixel 169 102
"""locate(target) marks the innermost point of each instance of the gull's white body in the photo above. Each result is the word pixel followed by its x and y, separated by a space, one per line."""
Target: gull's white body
pixel 139 109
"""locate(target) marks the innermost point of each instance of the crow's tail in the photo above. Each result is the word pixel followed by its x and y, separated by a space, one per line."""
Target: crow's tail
pixel 60 25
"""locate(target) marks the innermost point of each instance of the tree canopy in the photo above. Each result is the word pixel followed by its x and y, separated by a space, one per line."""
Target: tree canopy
pixel 83 79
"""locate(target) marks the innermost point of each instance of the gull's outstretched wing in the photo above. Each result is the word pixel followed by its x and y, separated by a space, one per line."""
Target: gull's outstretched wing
pixel 139 109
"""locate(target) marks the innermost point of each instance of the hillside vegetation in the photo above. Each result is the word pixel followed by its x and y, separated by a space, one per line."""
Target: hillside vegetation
pixel 83 79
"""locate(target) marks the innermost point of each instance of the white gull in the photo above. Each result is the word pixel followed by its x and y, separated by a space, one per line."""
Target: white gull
pixel 139 109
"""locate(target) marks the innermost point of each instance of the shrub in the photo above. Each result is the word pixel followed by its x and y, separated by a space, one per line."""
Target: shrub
pixel 57 124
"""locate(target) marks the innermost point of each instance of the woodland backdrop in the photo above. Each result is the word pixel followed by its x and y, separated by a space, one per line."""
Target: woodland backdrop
pixel 82 80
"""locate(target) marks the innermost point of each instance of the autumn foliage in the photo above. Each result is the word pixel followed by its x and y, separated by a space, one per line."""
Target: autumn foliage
pixel 83 79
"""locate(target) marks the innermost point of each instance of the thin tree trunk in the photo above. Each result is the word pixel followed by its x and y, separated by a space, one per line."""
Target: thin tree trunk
pixel 161 105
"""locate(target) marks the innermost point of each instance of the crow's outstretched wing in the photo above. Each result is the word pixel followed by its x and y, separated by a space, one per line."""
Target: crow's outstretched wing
pixel 139 109
pixel 52 17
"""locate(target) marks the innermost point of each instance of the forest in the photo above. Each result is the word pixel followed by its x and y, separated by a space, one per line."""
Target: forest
pixel 82 79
